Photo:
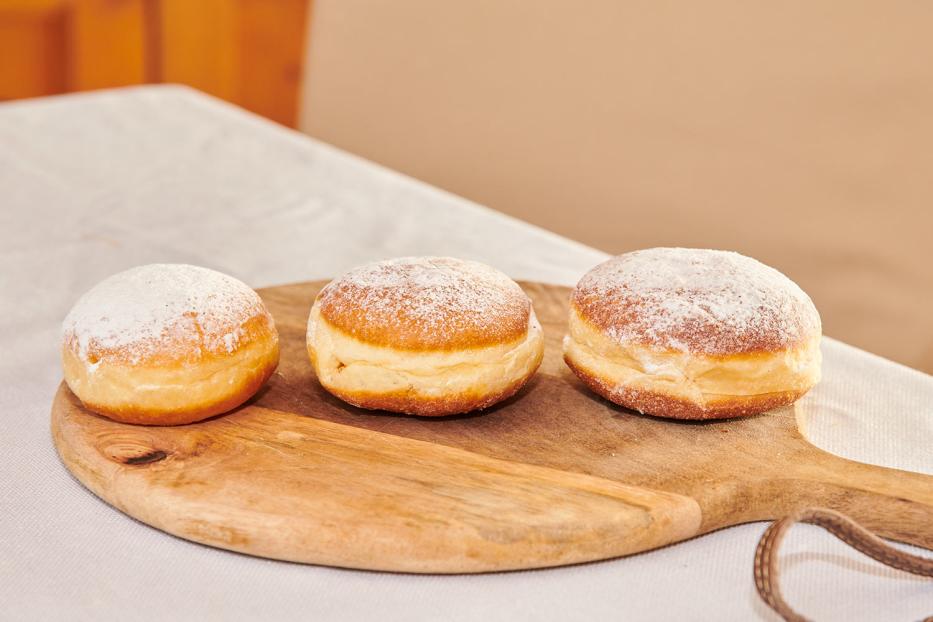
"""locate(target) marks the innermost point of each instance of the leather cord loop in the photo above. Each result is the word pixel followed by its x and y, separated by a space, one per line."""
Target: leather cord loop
pixel 844 528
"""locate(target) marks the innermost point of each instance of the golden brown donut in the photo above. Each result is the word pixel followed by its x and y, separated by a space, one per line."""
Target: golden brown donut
pixel 424 336
pixel 693 334
pixel 167 344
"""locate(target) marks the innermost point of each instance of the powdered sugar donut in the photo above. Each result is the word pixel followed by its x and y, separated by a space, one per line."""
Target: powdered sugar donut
pixel 166 344
pixel 424 335
pixel 693 334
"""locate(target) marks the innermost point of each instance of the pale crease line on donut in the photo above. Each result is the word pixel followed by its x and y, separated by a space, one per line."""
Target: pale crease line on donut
pixel 230 365
pixel 696 378
pixel 684 387
pixel 187 374
pixel 175 386
pixel 381 369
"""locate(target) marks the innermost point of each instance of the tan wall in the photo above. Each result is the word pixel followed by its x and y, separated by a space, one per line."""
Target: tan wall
pixel 800 133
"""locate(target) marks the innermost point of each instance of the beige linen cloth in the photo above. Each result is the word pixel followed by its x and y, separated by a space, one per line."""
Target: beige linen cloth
pixel 93 184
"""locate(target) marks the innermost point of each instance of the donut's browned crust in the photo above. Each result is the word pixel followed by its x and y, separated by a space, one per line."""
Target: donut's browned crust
pixel 178 351
pixel 638 297
pixel 661 405
pixel 608 314
pixel 407 403
pixel 473 306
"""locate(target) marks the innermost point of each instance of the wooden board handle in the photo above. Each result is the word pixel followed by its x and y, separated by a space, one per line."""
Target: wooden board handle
pixel 892 503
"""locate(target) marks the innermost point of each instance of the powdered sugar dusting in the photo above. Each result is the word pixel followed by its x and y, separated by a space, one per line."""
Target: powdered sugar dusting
pixel 695 300
pixel 161 309
pixel 426 302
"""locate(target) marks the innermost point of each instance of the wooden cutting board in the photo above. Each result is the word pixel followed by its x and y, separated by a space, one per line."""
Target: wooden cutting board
pixel 553 476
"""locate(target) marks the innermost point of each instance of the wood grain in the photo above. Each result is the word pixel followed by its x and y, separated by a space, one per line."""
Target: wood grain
pixel 32 48
pixel 553 476
pixel 248 52
pixel 107 44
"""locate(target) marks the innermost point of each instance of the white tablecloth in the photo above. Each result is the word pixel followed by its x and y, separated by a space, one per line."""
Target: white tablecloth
pixel 93 184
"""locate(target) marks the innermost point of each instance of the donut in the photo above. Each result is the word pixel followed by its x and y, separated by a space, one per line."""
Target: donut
pixel 428 336
pixel 167 344
pixel 693 334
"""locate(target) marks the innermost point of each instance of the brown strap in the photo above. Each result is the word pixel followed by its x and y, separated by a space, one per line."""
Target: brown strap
pixel 844 528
